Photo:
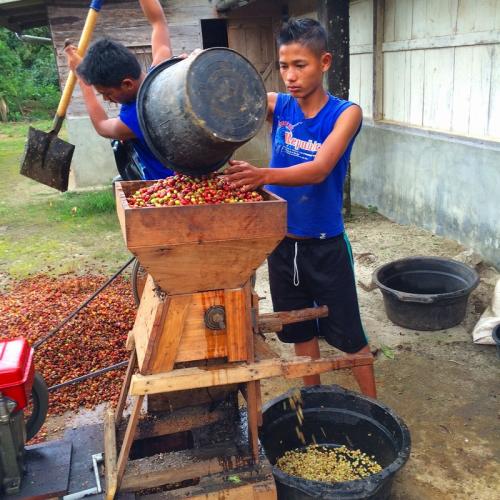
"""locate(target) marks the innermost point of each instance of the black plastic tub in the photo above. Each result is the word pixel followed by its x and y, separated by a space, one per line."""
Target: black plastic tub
pixel 425 293
pixel 336 417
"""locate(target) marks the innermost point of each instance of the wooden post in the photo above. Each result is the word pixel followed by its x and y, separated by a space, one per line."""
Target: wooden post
pixel 334 16
pixel 110 454
pixel 125 386
pixel 128 439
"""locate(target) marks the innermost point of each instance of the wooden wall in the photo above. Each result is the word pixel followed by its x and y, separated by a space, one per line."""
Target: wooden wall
pixel 442 65
pixel 125 23
pixel 361 49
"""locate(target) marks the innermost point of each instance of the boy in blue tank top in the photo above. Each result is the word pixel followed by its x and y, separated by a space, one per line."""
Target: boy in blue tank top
pixel 312 137
pixel 115 73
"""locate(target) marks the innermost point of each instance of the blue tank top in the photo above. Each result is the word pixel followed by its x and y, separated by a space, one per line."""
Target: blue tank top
pixel 313 210
pixel 153 169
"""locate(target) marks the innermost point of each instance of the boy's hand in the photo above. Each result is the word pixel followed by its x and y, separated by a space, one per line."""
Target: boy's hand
pixel 72 57
pixel 241 174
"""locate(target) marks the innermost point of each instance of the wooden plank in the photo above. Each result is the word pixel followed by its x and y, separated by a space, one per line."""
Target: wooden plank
pixel 164 352
pixel 198 341
pixel 148 322
pixel 165 226
pixel 262 349
pixel 394 86
pixel 480 90
pixel 132 362
pixel 192 378
pixel 128 439
pixel 217 486
pixel 366 84
pixel 419 19
pixel 441 17
pixel 416 87
pixel 444 41
pixel 181 466
pixel 438 87
pixel 205 266
pixel 253 410
pixel 110 472
pixel 389 20
pixel 179 420
pixel 461 90
pixel 365 48
pixel 355 78
pixel 476 15
pixel 238 323
pixel 378 60
pixel 174 401
pixel 273 322
pixel 403 19
pixel 360 23
pixel 407 83
pixel 494 113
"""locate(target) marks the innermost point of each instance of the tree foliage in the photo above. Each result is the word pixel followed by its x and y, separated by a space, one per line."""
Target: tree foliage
pixel 29 83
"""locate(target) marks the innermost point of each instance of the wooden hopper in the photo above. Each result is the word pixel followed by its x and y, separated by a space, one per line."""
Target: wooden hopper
pixel 201 257
pixel 189 249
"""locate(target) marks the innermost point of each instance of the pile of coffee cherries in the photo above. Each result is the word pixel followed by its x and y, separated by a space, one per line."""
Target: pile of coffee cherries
pixel 184 190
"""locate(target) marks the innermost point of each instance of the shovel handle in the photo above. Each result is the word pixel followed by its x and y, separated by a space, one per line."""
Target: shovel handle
pixel 83 44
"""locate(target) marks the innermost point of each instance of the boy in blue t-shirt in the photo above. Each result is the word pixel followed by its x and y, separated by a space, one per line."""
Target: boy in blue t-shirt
pixel 312 137
pixel 115 73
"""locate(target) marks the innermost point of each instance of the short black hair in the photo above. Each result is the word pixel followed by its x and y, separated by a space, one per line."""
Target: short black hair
pixel 108 63
pixel 305 31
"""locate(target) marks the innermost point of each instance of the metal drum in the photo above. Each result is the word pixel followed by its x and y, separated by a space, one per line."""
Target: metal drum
pixel 196 112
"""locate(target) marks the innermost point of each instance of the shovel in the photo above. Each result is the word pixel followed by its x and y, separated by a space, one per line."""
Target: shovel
pixel 47 158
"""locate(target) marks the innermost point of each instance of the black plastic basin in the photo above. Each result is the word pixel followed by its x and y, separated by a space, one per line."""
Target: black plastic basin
pixel 335 416
pixel 426 293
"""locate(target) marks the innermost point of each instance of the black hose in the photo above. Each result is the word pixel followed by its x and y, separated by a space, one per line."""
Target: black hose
pixel 76 380
pixel 38 343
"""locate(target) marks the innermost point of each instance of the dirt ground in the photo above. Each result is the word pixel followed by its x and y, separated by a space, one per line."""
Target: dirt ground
pixel 440 383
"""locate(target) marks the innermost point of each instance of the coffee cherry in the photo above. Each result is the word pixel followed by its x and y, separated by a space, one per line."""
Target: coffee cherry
pixel 182 190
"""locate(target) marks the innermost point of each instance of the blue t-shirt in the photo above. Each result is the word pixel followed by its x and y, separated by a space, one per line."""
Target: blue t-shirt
pixel 153 169
pixel 313 210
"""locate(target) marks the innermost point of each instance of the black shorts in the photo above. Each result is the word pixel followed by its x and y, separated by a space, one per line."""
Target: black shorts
pixel 313 272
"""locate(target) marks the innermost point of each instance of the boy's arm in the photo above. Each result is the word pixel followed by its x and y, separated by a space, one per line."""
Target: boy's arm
pixel 242 174
pixel 160 37
pixel 112 128
pixel 271 104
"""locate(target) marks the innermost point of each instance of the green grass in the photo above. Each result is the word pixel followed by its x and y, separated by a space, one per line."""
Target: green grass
pixel 44 231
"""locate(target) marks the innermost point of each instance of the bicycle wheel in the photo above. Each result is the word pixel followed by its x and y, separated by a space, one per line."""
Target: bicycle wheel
pixel 138 279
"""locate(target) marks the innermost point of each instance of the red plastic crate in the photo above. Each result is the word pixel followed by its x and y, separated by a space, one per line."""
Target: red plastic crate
pixel 16 370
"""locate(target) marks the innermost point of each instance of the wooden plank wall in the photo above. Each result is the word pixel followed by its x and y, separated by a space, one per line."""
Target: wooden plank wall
pixel 125 23
pixel 361 49
pixel 442 65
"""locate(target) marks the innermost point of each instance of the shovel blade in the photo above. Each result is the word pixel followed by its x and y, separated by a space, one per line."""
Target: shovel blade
pixel 47 159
